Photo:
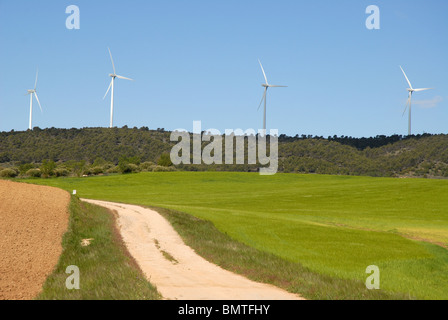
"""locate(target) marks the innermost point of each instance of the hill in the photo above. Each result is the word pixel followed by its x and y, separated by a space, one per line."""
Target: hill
pixel 52 151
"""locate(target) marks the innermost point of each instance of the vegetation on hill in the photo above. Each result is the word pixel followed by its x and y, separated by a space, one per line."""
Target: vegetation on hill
pixel 93 151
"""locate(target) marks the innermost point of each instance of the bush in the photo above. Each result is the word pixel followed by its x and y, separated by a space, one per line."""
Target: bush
pixel 128 168
pixel 99 162
pixel 165 160
pixel 107 166
pixel 8 173
pixel 147 166
pixel 134 167
pixel 97 170
pixel 47 168
pixel 24 168
pixel 124 167
pixel 163 169
pixel 129 165
pixel 61 172
pixel 113 170
pixel 34 173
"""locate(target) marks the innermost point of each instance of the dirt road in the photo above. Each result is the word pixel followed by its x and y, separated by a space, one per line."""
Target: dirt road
pixel 176 270
pixel 33 220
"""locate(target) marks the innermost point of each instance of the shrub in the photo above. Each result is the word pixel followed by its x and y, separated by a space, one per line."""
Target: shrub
pixel 24 168
pixel 128 168
pixel 163 169
pixel 107 166
pixel 47 168
pixel 113 169
pixel 147 166
pixel 165 160
pixel 97 170
pixel 61 172
pixel 34 173
pixel 8 173
pixel 99 162
pixel 134 160
pixel 134 167
pixel 129 165
pixel 124 167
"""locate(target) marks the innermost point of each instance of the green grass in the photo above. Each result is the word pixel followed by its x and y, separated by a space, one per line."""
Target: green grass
pixel 334 226
pixel 265 267
pixel 107 272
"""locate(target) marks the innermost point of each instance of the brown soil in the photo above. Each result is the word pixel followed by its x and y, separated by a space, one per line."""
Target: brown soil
pixel 33 220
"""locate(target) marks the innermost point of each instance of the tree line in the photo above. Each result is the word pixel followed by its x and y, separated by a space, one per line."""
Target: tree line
pixel 92 151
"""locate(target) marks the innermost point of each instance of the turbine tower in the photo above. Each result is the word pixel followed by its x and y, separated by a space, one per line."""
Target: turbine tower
pixel 266 87
pixel 111 85
pixel 32 92
pixel 408 103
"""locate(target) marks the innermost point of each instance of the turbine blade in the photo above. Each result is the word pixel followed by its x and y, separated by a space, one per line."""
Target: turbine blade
pixel 418 90
pixel 275 86
pixel 404 111
pixel 113 66
pixel 262 99
pixel 35 83
pixel 264 74
pixel 121 77
pixel 35 94
pixel 108 88
pixel 409 82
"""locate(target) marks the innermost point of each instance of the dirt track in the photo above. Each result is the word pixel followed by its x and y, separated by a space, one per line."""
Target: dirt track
pixel 148 236
pixel 33 220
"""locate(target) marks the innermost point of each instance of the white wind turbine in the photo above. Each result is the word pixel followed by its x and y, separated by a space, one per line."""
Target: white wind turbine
pixel 32 92
pixel 113 76
pixel 266 87
pixel 408 103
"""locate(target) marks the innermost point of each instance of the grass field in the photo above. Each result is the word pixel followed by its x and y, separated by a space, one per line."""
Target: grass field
pixel 333 225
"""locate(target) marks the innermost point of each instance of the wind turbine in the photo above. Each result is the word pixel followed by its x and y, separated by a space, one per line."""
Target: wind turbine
pixel 408 103
pixel 32 92
pixel 266 87
pixel 113 76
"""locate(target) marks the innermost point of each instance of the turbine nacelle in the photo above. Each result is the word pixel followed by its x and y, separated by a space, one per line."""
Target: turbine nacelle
pixel 112 75
pixel 272 86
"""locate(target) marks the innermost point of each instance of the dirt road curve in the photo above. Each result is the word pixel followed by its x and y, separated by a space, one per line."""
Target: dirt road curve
pixel 147 235
pixel 33 220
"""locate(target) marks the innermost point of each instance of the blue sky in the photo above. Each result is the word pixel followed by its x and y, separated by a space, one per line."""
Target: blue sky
pixel 197 60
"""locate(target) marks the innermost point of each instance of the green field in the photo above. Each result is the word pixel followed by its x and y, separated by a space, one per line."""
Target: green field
pixel 333 225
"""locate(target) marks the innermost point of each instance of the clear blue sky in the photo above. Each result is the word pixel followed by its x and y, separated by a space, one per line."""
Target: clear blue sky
pixel 197 60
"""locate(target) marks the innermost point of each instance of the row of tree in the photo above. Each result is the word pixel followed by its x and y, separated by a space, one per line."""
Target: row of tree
pixel 49 168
